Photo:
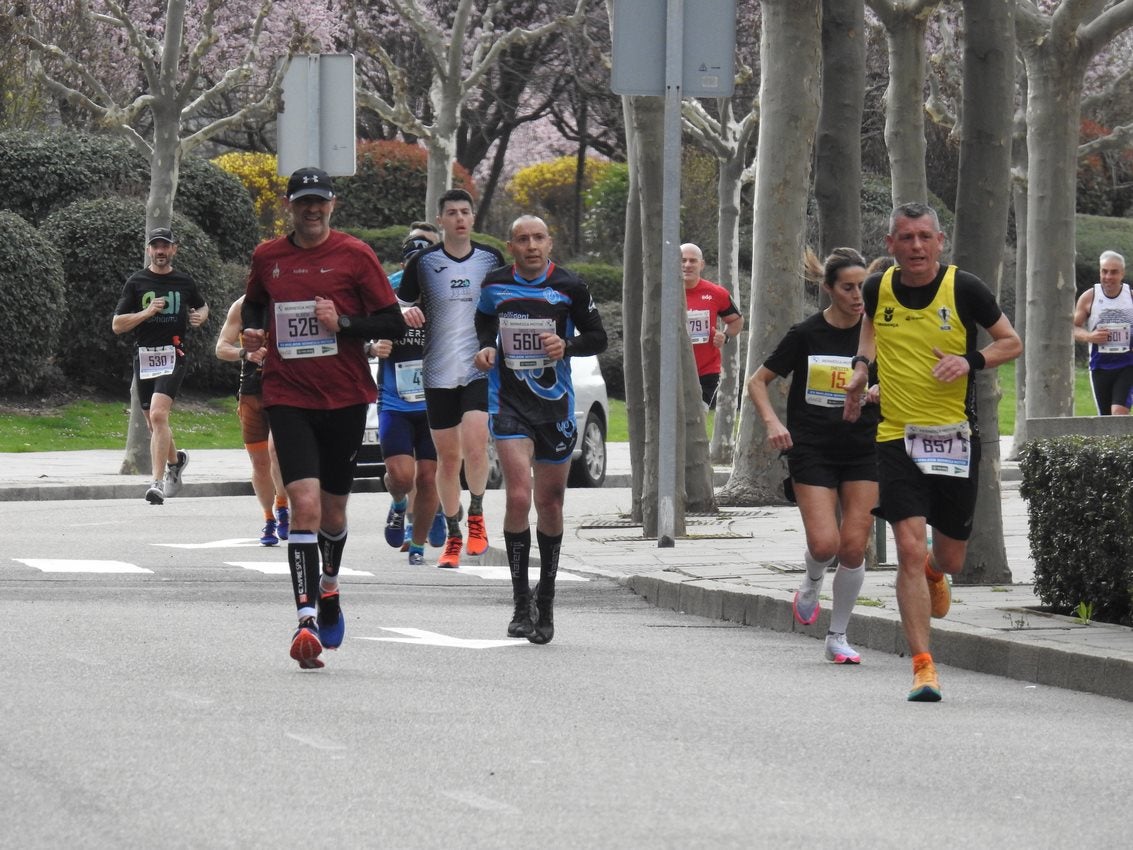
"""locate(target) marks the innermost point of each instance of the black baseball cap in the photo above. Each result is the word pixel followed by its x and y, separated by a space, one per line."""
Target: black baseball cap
pixel 309 181
pixel 411 246
pixel 161 234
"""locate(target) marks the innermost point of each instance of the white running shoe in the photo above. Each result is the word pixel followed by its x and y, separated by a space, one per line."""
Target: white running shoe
pixel 840 652
pixel 155 495
pixel 173 473
pixel 805 604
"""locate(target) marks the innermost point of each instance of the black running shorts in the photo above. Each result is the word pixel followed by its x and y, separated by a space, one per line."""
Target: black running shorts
pixel 948 504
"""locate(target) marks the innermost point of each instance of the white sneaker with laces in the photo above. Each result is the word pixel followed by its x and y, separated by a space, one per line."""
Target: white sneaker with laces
pixel 173 473
pixel 840 652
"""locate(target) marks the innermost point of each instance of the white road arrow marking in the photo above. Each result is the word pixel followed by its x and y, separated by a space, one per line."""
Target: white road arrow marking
pixel 64 565
pixel 277 569
pixel 215 544
pixel 504 574
pixel 424 638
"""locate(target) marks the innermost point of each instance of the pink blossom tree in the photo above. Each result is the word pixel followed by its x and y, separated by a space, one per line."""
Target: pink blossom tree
pixel 140 71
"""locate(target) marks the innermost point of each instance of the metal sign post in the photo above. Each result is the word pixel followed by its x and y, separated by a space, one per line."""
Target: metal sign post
pixel 658 52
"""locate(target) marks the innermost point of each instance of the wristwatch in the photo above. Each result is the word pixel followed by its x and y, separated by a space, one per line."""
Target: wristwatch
pixel 344 323
pixel 856 359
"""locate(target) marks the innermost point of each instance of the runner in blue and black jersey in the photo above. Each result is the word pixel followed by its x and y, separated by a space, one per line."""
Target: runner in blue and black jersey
pixel 532 316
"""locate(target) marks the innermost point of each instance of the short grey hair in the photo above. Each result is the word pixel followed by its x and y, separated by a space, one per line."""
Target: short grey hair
pixel 1111 255
pixel 912 209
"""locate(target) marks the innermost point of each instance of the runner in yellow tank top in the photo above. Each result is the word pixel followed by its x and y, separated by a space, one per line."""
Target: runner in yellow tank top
pixel 920 322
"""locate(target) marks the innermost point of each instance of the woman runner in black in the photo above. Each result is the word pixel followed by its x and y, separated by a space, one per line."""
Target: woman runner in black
pixel 832 463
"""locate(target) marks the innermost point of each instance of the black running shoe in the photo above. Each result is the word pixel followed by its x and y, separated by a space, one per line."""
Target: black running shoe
pixel 544 623
pixel 522 621
pixel 332 626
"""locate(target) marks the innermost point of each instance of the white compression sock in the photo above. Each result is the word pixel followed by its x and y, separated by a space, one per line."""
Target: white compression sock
pixel 815 570
pixel 847 585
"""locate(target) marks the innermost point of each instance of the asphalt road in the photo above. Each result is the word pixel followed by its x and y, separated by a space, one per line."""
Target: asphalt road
pixel 159 708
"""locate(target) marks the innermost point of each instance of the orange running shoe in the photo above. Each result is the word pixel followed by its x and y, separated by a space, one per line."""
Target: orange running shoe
pixel 450 558
pixel 477 535
pixel 926 685
pixel 939 591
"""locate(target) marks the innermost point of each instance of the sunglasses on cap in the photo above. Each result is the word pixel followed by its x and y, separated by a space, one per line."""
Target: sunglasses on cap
pixel 411 246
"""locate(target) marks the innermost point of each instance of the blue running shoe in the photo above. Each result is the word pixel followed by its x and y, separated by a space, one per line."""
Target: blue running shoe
pixel 416 556
pixel 306 646
pixel 268 536
pixel 438 531
pixel 283 522
pixel 395 527
pixel 408 535
pixel 332 625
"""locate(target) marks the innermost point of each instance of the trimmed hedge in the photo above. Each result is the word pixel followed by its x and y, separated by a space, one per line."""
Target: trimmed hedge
pixel 221 206
pixel 389 186
pixel 612 360
pixel 1079 494
pixel 604 280
pixel 101 243
pixel 33 294
pixel 42 173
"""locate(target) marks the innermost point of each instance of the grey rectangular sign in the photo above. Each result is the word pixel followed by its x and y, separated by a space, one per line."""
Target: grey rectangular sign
pixel 709 65
pixel 316 122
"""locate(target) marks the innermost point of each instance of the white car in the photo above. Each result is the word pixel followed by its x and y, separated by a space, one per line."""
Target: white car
pixel 591 415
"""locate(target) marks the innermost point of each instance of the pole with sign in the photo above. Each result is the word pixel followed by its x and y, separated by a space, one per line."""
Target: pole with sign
pixel 657 51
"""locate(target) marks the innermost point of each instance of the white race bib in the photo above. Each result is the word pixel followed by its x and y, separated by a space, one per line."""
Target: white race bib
pixel 826 379
pixel 521 342
pixel 156 361
pixel 699 326
pixel 940 449
pixel 299 334
pixel 408 376
pixel 1117 341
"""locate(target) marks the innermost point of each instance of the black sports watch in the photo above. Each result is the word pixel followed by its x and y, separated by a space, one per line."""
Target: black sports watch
pixel 856 359
pixel 344 323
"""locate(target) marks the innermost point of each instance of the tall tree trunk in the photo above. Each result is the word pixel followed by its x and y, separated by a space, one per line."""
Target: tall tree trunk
pixel 441 143
pixel 648 123
pixel 790 59
pixel 904 97
pixel 1053 111
pixel 1019 200
pixel 982 200
pixel 632 298
pixel 838 146
pixel 728 184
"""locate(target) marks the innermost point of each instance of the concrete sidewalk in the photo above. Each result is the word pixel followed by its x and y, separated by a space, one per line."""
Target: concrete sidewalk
pixel 741 565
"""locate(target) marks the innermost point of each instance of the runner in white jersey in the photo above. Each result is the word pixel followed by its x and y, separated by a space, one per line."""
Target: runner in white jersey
pixel 441 286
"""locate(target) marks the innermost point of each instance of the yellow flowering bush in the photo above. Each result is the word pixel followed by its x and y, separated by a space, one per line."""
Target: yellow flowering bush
pixel 257 171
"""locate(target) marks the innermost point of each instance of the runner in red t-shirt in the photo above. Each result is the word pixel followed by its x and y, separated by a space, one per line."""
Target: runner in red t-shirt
pixel 708 305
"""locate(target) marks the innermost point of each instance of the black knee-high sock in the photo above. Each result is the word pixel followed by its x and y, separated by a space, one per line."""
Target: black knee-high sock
pixel 331 546
pixel 548 562
pixel 303 557
pixel 518 545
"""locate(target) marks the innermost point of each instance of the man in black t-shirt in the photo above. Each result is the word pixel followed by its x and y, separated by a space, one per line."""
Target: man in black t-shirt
pixel 161 305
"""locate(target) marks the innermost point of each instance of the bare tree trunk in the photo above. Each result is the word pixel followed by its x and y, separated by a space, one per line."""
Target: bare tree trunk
pixel 723 445
pixel 137 459
pixel 983 196
pixel 1020 201
pixel 790 59
pixel 441 145
pixel 838 146
pixel 632 300
pixel 905 25
pixel 1054 95
pixel 648 126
